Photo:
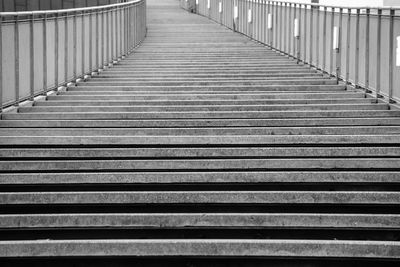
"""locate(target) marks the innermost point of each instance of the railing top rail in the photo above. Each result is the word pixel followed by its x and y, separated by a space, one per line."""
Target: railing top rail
pixel 70 10
pixel 335 6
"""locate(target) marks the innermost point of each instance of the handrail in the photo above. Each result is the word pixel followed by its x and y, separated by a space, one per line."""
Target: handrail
pixel 41 51
pixel 358 45
pixel 70 10
pixel 336 6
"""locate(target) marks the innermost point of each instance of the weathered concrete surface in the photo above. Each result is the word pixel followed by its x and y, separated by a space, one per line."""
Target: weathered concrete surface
pixel 201 131
pixel 249 248
pixel 203 220
pixel 198 177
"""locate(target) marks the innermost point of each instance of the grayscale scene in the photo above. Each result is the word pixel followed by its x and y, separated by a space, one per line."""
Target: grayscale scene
pixel 199 133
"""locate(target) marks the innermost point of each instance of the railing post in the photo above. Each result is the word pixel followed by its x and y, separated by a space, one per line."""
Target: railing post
pixel 305 35
pixel 311 34
pixel 1 65
pixel 348 30
pixel 317 39
pixel 338 46
pixel 32 58
pixel 378 54
pixel 16 50
pixel 391 50
pixel 83 43
pixel 331 50
pixel 66 47
pixel 296 31
pixel 367 26
pixel 324 41
pixel 74 56
pixel 357 52
pixel 90 41
pixel 270 23
pixel 56 42
pixel 289 20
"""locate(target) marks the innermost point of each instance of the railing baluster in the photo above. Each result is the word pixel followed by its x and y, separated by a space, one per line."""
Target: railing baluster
pixel 348 32
pixel 16 55
pixel 311 34
pixel 317 39
pixel 357 51
pixel 331 68
pixel 32 57
pixel 391 50
pixel 66 40
pixel 74 56
pixel 56 52
pixel 304 35
pixel 324 40
pixel 367 26
pixel 83 56
pixel 1 64
pixel 378 54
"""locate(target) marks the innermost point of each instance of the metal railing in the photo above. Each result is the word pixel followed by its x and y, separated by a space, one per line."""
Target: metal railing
pixel 31 5
pixel 43 50
pixel 359 45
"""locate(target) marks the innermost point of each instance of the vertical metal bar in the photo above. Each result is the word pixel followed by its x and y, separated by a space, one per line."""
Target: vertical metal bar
pixel 32 57
pixel 357 52
pixel 297 14
pixel 90 41
pixel 121 23
pixel 285 41
pixel 348 30
pixel 276 33
pixel 311 34
pixel 331 42
pixel 305 34
pixel 108 36
pixel 281 45
pixel 378 54
pixel 112 38
pixel 1 64
pixel 16 50
pixel 75 48
pixel 324 40
pixel 391 50
pixel 339 48
pixel 367 26
pixel 97 40
pixel 317 38
pixel 56 52
pixel 270 33
pixel 44 53
pixel 66 48
pixel 102 38
pixel 83 42
pixel 289 37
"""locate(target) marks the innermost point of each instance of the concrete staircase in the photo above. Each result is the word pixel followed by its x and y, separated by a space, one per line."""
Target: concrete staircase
pixel 205 147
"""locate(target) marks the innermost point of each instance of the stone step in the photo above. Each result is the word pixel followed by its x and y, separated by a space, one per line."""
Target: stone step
pixel 303 81
pixel 200 197
pixel 241 178
pixel 212 96
pixel 204 140
pixel 354 101
pixel 203 220
pixel 351 130
pixel 122 76
pixel 204 108
pixel 202 114
pixel 279 89
pixel 203 152
pixel 127 123
pixel 201 248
